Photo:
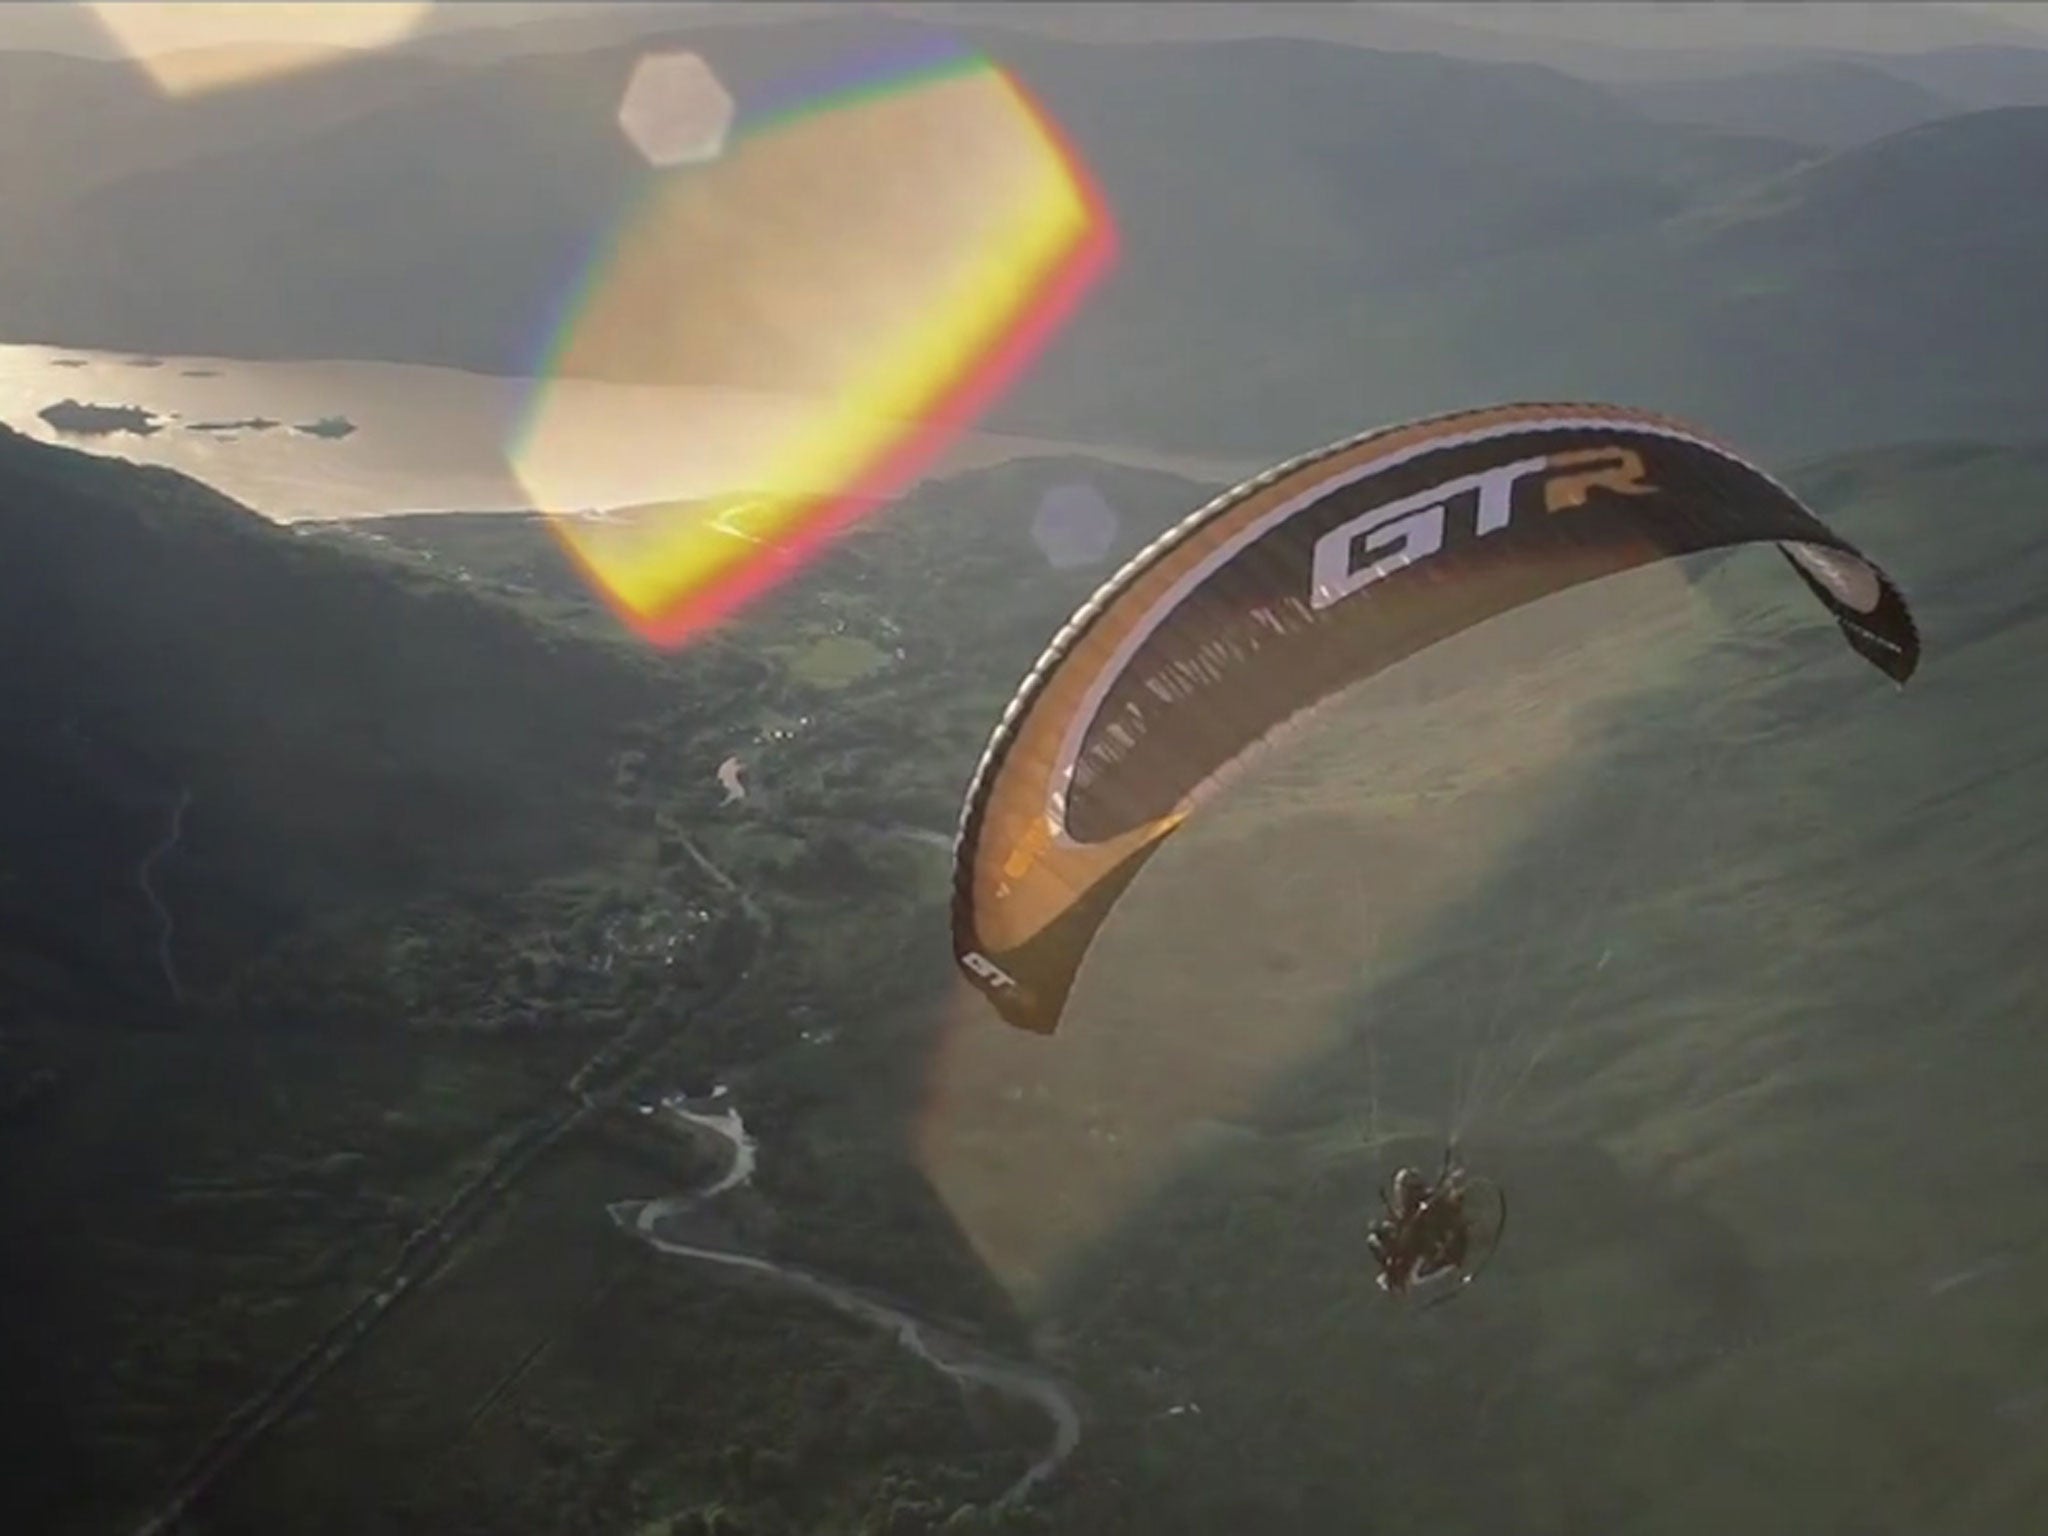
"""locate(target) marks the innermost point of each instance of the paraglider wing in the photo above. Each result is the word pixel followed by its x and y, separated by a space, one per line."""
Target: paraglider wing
pixel 1300 583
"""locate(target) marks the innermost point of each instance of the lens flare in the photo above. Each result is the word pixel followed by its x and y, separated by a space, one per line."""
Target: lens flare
pixel 675 110
pixel 870 265
pixel 1074 526
pixel 190 49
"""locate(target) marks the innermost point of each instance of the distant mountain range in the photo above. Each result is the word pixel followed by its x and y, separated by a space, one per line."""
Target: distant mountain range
pixel 1840 101
pixel 1314 237
pixel 1669 39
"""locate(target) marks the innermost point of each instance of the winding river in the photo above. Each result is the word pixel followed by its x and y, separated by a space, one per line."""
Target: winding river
pixel 172 836
pixel 653 1222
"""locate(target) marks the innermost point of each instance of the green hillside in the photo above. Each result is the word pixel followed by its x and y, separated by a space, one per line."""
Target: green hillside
pixel 1750 975
pixel 344 733
pixel 1725 947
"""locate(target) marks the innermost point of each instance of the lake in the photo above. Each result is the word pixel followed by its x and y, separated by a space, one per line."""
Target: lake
pixel 437 439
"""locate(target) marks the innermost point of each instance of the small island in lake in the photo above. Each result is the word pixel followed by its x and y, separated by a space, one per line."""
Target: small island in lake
pixel 247 424
pixel 77 419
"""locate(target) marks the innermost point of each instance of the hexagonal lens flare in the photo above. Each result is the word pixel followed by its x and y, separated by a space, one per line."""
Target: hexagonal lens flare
pixel 675 110
pixel 1074 526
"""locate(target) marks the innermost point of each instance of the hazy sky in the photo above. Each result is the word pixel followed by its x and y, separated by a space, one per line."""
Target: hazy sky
pixel 1852 24
pixel 1845 24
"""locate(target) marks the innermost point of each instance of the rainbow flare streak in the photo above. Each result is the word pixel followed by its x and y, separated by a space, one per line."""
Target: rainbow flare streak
pixel 894 258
